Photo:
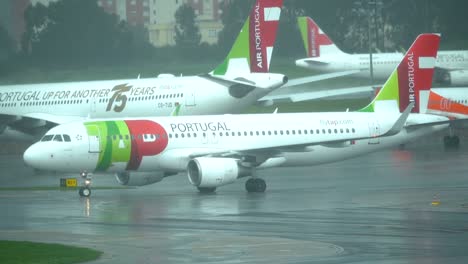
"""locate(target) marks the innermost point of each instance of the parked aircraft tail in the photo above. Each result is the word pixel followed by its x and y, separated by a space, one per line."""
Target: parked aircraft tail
pixel 316 42
pixel 252 50
pixel 413 74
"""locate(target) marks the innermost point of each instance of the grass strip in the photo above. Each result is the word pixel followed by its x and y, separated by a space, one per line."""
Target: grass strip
pixel 24 252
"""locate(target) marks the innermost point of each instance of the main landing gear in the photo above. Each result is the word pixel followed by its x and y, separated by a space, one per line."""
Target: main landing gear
pixel 257 185
pixel 452 142
pixel 85 190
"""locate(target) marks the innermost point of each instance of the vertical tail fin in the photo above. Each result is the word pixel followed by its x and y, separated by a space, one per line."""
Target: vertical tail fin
pixel 316 42
pixel 253 47
pixel 413 74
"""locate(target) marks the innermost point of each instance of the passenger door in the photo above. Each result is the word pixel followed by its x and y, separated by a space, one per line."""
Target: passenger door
pixel 374 131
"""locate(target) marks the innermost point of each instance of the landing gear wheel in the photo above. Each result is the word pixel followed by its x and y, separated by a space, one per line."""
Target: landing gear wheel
pixel 85 191
pixel 206 189
pixel 255 185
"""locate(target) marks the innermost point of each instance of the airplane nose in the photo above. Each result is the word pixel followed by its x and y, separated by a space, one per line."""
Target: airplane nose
pixel 33 156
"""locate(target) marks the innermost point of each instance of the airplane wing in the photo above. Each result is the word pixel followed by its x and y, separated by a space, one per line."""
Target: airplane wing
pixel 53 118
pixel 315 62
pixel 292 82
pixel 353 92
pixel 29 126
pixel 318 77
pixel 267 152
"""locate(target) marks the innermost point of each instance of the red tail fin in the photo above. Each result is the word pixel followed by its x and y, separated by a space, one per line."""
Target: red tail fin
pixel 417 68
pixel 317 43
pixel 264 21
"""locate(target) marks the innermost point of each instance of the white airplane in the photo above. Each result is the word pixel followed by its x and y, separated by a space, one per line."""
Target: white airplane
pixel 324 55
pixel 239 81
pixel 216 150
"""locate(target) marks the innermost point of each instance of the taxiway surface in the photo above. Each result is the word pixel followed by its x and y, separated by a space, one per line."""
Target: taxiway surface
pixel 376 208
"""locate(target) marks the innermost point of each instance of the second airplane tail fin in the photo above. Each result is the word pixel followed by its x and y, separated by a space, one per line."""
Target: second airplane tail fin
pixel 413 74
pixel 252 50
pixel 316 42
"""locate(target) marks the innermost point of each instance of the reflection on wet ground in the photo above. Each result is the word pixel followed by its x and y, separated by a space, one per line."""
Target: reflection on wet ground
pixel 377 208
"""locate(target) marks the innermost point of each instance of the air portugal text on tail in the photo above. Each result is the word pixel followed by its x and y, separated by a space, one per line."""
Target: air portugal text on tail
pixel 413 75
pixel 254 45
pixel 416 70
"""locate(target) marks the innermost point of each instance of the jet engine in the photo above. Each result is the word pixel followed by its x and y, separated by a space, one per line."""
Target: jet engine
pixel 214 172
pixel 139 178
pixel 456 78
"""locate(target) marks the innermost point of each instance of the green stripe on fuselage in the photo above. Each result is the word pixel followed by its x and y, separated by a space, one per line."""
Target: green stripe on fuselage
pixel 115 143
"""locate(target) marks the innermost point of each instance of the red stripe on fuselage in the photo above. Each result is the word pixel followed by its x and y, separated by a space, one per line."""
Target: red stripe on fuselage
pixel 141 146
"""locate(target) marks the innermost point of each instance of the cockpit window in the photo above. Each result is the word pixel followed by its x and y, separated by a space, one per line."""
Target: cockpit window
pixel 58 138
pixel 47 138
pixel 66 138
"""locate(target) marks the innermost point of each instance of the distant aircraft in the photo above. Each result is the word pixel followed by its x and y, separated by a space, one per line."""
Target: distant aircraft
pixel 451 102
pixel 324 55
pixel 28 111
pixel 218 149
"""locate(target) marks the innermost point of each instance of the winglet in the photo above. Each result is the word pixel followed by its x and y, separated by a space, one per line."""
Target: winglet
pixel 176 110
pixel 400 123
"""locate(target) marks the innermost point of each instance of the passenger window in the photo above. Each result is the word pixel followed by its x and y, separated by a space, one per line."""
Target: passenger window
pixel 47 138
pixel 58 138
pixel 66 138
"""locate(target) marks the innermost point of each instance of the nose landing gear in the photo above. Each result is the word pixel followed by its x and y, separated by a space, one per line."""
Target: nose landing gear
pixel 85 190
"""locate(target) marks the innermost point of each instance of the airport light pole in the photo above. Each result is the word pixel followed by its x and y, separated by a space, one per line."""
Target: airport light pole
pixel 371 11
pixel 371 61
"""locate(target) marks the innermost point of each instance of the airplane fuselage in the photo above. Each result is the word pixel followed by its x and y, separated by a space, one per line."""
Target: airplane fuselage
pixel 383 63
pixel 65 102
pixel 167 144
pixel 450 102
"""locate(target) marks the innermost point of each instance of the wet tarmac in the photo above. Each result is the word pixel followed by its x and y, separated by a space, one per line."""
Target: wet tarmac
pixel 396 206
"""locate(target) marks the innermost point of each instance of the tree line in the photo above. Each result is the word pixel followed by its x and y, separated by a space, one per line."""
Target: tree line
pixel 77 33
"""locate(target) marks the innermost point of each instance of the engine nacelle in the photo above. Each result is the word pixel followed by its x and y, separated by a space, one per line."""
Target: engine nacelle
pixel 215 172
pixel 459 77
pixel 138 178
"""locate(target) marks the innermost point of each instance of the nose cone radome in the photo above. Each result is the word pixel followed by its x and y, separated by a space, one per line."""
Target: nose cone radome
pixel 34 156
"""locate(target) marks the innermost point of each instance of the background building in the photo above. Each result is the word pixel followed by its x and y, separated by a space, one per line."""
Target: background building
pixel 11 18
pixel 158 16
